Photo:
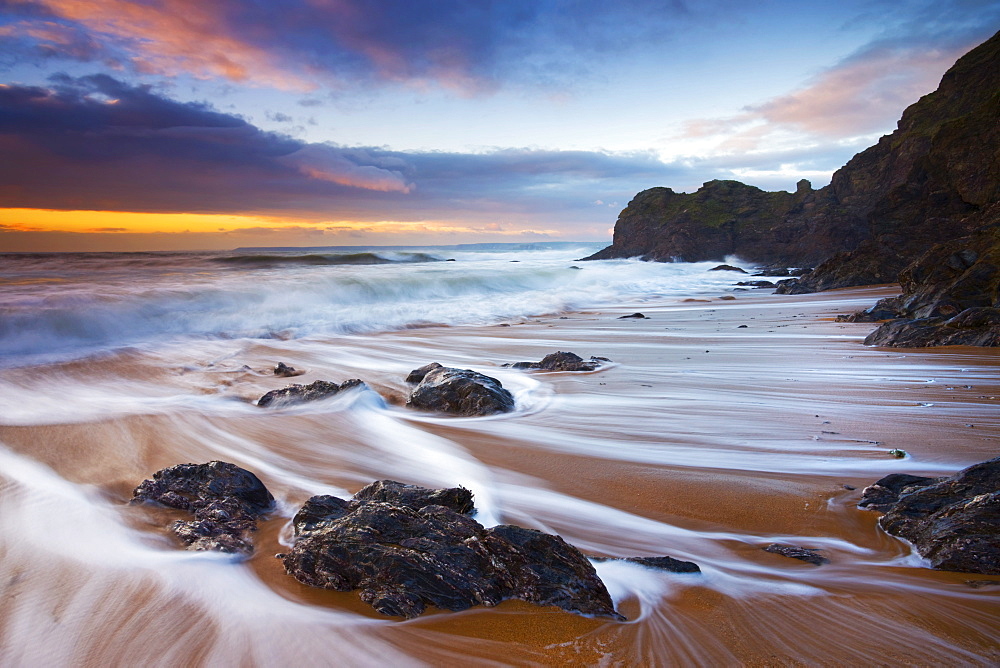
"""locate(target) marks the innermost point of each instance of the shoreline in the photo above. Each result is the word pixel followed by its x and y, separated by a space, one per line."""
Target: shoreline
pixel 704 456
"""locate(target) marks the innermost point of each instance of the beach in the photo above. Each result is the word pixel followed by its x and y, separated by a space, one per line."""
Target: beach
pixel 724 422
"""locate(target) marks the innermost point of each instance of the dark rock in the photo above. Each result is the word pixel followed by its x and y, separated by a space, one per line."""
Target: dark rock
pixel 668 564
pixel 884 493
pixel 458 499
pixel 294 394
pixel 637 316
pixel 225 499
pixel 756 284
pixel 953 522
pixel 774 271
pixel 727 267
pixel 971 327
pixel 403 556
pixel 934 179
pixel 417 375
pixel 885 309
pixel 460 392
pixel 561 361
pixel 285 371
pixel 805 554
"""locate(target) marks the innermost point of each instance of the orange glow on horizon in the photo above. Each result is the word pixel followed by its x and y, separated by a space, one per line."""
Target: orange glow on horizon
pixel 125 222
pixel 48 220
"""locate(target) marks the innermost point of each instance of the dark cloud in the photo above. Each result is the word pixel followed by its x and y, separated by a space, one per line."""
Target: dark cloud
pixel 296 43
pixel 98 144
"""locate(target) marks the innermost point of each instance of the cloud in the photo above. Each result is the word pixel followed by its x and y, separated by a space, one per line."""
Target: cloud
pixel 329 163
pixel 95 143
pixel 299 44
pixel 863 94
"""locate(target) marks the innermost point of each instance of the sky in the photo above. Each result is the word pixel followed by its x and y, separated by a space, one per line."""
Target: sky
pixel 197 124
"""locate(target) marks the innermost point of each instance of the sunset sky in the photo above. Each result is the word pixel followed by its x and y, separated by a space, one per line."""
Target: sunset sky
pixel 211 124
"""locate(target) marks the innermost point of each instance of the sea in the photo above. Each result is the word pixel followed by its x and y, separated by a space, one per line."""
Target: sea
pixel 64 305
pixel 726 420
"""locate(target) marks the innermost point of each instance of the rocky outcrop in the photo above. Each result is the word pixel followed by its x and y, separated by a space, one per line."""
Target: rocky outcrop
pixel 932 180
pixel 971 327
pixel 407 547
pixel 295 394
pixel 951 296
pixel 458 392
pixel 953 522
pixel 225 499
pixel 561 361
pixel 730 218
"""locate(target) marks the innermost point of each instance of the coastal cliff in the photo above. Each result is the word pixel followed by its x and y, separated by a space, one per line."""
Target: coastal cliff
pixel 931 181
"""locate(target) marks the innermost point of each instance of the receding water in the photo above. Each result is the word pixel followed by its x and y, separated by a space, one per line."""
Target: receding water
pixel 702 440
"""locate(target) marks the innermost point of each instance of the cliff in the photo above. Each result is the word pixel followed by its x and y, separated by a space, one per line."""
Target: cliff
pixel 930 181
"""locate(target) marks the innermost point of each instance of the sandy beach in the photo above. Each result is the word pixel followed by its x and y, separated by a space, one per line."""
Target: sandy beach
pixel 723 425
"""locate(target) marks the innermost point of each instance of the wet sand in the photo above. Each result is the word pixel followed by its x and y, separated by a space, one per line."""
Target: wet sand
pixel 704 440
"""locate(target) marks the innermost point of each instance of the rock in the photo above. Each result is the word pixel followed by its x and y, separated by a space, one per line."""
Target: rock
pixel 282 370
pixel 458 499
pixel 885 309
pixel 756 284
pixel 776 271
pixel 953 522
pixel 225 500
pixel 460 392
pixel 934 179
pixel 668 564
pixel 417 375
pixel 637 316
pixel 951 294
pixel 294 394
pixel 805 554
pixel 971 327
pixel 404 555
pixel 727 297
pixel 727 267
pixel 561 361
pixel 884 493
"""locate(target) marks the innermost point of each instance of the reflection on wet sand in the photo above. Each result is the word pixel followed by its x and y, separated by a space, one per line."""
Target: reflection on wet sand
pixel 704 440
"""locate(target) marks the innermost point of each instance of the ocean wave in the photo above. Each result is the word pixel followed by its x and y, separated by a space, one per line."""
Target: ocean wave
pixel 121 307
pixel 318 259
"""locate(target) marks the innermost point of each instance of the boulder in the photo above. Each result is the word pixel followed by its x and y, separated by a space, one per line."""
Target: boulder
pixel 756 284
pixel 728 267
pixel 417 375
pixel 404 554
pixel 637 316
pixel 294 394
pixel 561 361
pixel 226 502
pixel 460 392
pixel 953 522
